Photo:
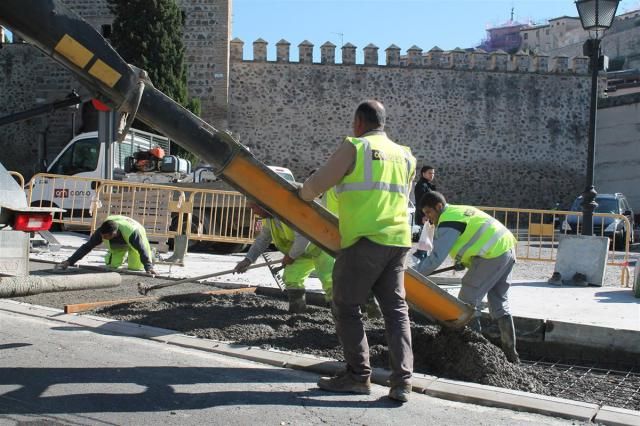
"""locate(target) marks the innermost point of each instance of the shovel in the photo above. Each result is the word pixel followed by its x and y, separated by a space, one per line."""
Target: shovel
pixel 144 289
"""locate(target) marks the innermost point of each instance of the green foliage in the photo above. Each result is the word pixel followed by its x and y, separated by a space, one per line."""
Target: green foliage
pixel 148 34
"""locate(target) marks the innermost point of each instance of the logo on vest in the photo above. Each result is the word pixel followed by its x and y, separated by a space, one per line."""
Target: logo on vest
pixel 378 155
pixel 469 212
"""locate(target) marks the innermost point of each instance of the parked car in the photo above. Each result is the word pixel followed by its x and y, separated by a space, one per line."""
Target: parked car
pixel 606 226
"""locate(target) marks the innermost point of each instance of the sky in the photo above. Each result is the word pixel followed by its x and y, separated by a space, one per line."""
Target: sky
pixel 425 23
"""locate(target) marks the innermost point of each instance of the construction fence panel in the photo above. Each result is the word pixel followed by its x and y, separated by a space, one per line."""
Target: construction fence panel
pixel 77 195
pixel 18 177
pixel 539 232
pixel 222 216
pixel 158 208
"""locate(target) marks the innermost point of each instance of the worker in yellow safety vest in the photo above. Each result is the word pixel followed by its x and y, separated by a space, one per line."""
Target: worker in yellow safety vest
pixel 372 176
pixel 124 238
pixel 482 244
pixel 301 257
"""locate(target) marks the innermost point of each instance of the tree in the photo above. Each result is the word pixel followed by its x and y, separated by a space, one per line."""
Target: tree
pixel 148 34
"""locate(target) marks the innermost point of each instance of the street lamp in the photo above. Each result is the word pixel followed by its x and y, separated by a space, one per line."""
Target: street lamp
pixel 596 17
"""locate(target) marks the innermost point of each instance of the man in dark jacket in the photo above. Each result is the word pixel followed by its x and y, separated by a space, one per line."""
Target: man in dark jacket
pixel 424 185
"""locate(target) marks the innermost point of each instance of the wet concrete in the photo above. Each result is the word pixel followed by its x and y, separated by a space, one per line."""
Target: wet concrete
pixel 256 320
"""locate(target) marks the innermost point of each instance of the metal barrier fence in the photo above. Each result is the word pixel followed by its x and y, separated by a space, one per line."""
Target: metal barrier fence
pixel 538 233
pixel 165 211
pixel 159 209
pixel 18 177
pixel 223 216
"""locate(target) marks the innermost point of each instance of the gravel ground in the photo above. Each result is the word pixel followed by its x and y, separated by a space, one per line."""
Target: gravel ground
pixel 260 321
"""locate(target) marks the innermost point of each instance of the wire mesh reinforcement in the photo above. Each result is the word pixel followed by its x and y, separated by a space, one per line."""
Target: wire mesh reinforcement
pixel 589 383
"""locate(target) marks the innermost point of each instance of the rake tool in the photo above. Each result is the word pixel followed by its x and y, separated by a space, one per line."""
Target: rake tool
pixel 144 289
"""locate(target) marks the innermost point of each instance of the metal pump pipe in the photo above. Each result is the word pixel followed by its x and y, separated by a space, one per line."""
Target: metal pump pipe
pixel 36 284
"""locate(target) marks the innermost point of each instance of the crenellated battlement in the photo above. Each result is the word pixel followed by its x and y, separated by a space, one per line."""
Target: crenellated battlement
pixel 436 58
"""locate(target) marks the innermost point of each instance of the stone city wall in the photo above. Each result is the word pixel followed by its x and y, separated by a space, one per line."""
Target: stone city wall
pixel 501 130
pixel 28 79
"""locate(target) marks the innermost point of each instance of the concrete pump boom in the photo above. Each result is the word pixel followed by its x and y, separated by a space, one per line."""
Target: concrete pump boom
pixel 72 42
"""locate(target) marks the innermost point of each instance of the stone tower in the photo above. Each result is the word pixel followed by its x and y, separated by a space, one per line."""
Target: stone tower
pixel 207 30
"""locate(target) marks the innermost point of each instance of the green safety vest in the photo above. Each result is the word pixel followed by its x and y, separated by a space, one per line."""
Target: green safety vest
pixel 330 200
pixel 483 236
pixel 126 227
pixel 281 235
pixel 373 198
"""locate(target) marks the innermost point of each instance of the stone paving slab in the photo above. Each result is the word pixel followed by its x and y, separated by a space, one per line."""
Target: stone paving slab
pixel 514 400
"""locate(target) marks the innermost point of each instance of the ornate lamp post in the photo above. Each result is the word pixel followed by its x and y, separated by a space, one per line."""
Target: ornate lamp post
pixel 596 17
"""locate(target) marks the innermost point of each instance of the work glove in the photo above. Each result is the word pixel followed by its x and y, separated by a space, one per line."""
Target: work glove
pixel 287 260
pixel 62 265
pixel 242 266
pixel 151 273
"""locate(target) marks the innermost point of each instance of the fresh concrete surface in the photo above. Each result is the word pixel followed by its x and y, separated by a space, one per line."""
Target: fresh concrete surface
pixel 67 369
pixel 612 308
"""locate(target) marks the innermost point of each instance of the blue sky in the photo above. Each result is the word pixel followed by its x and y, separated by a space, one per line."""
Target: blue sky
pixel 425 23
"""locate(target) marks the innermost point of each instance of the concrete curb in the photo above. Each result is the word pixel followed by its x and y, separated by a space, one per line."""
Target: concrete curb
pixel 430 385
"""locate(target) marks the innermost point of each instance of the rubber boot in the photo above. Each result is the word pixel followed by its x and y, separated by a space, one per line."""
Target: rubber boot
pixel 508 338
pixel 475 324
pixel 297 303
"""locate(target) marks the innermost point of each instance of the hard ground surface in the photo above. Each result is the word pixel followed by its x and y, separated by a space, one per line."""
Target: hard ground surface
pixel 55 374
pixel 259 321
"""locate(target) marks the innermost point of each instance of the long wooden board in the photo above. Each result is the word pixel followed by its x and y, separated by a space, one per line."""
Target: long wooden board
pixel 83 307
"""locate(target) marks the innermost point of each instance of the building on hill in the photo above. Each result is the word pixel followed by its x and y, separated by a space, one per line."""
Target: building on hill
pixel 564 36
pixel 505 37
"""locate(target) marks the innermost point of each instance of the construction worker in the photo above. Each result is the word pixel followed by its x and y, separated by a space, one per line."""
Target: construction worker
pixel 301 258
pixel 482 244
pixel 372 176
pixel 124 237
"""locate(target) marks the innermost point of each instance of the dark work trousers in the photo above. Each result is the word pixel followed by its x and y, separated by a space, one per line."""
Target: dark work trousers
pixel 359 269
pixel 490 277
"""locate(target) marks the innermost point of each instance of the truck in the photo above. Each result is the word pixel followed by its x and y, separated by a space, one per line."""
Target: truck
pixel 71 41
pixel 84 160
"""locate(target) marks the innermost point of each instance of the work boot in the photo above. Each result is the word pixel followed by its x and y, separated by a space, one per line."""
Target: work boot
pixel 400 392
pixel 475 324
pixel 297 303
pixel 508 338
pixel 345 382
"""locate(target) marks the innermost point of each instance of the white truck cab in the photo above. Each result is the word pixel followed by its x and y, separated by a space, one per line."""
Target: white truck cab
pixel 85 157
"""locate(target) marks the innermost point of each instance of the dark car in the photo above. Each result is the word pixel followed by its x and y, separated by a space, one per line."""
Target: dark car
pixel 606 226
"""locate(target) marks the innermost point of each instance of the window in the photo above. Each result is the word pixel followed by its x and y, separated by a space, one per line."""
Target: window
pixel 526 36
pixel 80 157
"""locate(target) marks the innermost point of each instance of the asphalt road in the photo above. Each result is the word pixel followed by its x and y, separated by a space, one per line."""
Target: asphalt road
pixel 52 372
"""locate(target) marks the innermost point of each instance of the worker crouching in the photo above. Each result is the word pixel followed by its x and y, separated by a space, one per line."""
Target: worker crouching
pixel 301 258
pixel 125 239
pixel 482 244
